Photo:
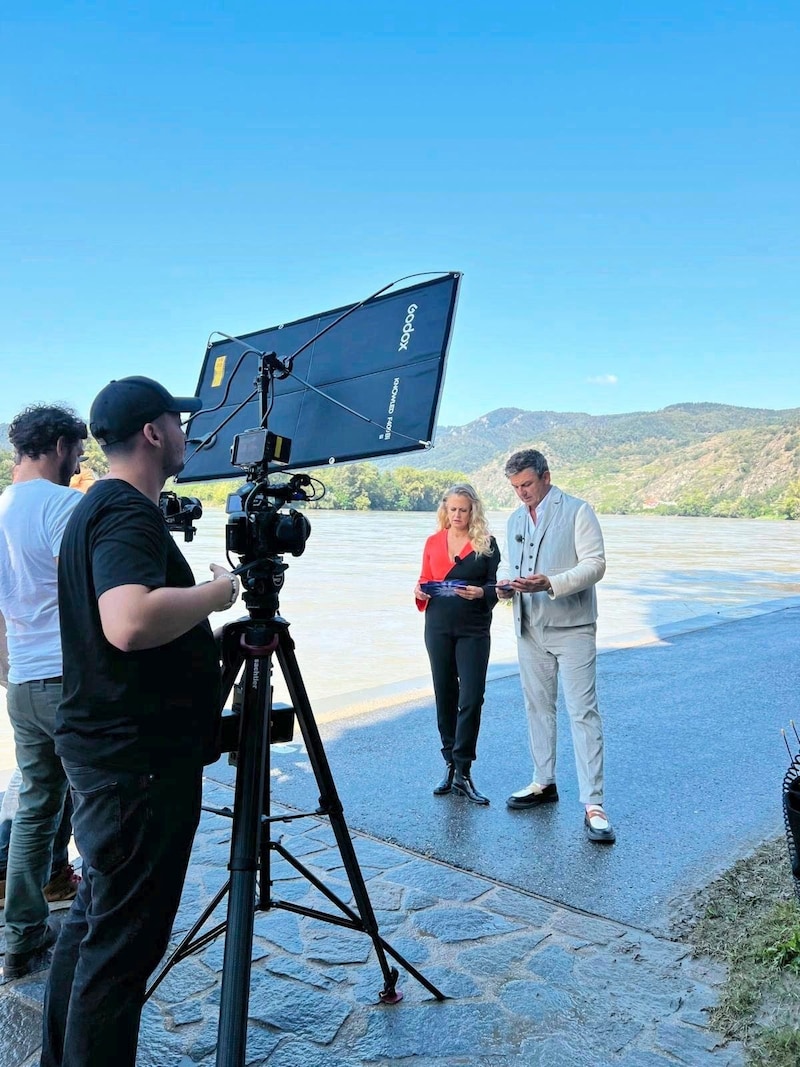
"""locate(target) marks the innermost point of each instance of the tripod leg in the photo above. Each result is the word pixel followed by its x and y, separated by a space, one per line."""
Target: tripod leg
pixel 190 942
pixel 331 805
pixel 244 861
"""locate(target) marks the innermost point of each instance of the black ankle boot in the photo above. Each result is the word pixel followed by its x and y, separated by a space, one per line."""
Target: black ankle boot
pixel 446 783
pixel 463 784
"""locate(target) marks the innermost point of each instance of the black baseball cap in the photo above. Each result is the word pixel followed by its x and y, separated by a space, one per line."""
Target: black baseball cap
pixel 123 407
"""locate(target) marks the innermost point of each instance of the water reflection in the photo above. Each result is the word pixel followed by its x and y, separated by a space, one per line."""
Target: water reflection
pixel 349 597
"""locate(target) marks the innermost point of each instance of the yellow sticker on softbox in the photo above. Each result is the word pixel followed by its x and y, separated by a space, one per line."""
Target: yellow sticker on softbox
pixel 219 372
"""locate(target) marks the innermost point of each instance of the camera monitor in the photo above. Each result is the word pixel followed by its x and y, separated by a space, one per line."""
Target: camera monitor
pixel 368 387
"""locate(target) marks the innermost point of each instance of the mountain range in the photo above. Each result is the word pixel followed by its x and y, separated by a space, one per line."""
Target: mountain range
pixel 710 459
pixel 690 458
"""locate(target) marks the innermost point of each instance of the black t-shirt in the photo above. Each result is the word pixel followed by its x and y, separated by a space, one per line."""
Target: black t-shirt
pixel 134 711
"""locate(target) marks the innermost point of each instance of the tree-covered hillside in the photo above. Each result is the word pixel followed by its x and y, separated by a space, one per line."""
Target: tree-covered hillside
pixel 688 459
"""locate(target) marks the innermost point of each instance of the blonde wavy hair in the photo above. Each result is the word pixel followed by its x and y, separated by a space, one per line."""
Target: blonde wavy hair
pixel 478 527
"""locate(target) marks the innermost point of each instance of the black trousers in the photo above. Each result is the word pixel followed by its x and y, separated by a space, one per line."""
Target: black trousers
pixel 135 834
pixel 459 661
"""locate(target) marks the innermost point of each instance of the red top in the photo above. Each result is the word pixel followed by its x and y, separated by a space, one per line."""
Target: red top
pixel 436 562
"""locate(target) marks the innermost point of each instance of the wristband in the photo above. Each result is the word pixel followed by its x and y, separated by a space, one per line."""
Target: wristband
pixel 234 591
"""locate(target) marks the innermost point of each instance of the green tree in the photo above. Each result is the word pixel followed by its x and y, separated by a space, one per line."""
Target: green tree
pixel 94 458
pixel 423 489
pixel 362 486
pixel 694 503
pixel 6 467
pixel 789 504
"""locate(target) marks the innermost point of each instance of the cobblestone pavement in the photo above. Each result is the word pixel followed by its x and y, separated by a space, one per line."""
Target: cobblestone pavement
pixel 527 981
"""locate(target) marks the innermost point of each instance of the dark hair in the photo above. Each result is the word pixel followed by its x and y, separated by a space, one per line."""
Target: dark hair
pixel 526 459
pixel 119 448
pixel 36 430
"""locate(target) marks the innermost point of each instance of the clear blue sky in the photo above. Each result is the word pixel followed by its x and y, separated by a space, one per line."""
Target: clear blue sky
pixel 618 182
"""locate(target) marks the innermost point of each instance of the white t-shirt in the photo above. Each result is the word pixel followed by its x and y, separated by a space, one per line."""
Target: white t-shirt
pixel 33 516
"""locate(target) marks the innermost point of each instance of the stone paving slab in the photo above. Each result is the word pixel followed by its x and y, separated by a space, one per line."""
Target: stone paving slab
pixel 528 981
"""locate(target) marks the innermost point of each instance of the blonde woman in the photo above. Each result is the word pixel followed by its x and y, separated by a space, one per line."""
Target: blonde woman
pixel 456 590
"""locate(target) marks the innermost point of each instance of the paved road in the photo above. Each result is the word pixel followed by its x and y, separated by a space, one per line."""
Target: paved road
pixel 694 765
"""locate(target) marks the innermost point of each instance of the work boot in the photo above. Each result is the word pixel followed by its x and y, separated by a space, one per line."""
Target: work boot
pixel 18 964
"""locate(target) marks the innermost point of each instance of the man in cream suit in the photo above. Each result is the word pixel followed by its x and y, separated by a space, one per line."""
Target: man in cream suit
pixel 554 558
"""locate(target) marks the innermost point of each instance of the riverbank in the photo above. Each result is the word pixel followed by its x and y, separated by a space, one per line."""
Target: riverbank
pixel 371 700
pixel 749 921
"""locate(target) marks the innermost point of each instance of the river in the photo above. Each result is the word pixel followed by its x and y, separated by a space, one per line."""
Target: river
pixel 355 625
pixel 358 634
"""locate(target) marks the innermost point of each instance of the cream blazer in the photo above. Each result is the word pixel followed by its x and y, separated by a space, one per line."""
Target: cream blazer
pixel 568 547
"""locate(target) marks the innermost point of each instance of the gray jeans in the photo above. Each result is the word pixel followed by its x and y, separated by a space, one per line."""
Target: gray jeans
pixel 32 711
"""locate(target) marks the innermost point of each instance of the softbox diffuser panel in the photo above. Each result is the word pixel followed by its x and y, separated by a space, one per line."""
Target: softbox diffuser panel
pixel 385 361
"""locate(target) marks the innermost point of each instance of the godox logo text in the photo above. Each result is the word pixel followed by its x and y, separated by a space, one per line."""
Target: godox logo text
pixel 408 328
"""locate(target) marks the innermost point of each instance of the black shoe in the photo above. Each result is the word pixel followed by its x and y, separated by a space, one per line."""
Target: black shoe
pixel 18 964
pixel 463 784
pixel 547 795
pixel 604 835
pixel 446 783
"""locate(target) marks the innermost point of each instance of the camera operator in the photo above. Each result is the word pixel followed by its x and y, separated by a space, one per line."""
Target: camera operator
pixel 137 722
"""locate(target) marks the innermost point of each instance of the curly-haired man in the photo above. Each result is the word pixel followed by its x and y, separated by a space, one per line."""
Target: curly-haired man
pixel 48 441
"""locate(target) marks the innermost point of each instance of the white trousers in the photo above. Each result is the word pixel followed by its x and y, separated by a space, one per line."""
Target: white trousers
pixel 571 652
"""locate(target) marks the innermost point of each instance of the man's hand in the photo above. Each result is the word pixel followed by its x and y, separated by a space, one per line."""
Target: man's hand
pixel 534 583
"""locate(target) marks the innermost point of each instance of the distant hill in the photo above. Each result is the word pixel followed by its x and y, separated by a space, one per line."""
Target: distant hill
pixel 686 458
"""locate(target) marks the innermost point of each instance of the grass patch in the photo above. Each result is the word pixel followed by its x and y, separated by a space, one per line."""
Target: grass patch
pixel 749 920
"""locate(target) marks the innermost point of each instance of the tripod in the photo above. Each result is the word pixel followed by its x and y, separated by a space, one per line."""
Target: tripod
pixel 251 643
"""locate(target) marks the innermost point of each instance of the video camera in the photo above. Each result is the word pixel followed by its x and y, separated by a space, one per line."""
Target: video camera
pixel 180 512
pixel 257 531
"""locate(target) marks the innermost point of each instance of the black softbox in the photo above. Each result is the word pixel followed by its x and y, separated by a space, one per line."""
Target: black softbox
pixel 367 385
